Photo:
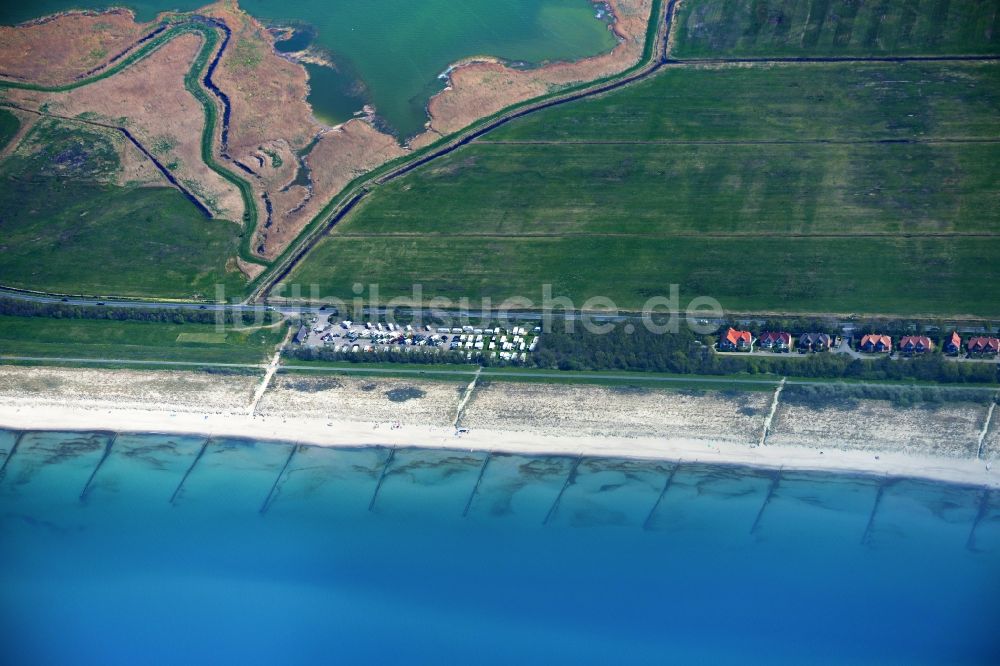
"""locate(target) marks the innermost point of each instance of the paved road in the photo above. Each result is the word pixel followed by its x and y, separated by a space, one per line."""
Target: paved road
pixel 379 312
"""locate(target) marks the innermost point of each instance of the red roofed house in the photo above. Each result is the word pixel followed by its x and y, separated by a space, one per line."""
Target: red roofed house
pixel 734 340
pixel 915 344
pixel 814 342
pixel 983 346
pixel 775 341
pixel 953 344
pixel 875 343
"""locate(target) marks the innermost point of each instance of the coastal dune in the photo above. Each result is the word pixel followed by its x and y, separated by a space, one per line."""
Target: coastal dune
pixel 597 411
pixel 950 429
pixel 937 442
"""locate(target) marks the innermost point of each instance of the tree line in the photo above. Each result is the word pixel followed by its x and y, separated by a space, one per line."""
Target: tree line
pixel 18 308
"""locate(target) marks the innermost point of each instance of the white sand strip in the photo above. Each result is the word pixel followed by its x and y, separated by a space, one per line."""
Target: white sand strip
pixel 354 433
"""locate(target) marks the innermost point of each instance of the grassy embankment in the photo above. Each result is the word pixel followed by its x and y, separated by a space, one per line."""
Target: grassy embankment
pixel 177 261
pixel 713 28
pixel 135 340
pixel 794 188
pixel 68 228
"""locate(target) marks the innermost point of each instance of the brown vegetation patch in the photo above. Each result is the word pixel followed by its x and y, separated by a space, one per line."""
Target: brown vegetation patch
pixel 149 99
pixel 59 48
pixel 267 92
pixel 271 120
pixel 340 156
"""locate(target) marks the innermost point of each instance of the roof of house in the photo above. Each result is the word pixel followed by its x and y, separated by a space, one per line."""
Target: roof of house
pixel 955 338
pixel 984 343
pixel 875 339
pixel 734 337
pixel 776 336
pixel 811 338
pixel 916 341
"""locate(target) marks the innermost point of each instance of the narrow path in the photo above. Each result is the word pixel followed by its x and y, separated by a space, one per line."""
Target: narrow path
pixel 465 397
pixel 734 142
pixel 986 428
pixel 272 368
pixel 766 60
pixel 678 234
pixel 770 415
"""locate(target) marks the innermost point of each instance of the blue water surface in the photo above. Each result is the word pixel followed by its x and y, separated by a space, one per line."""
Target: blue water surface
pixel 157 549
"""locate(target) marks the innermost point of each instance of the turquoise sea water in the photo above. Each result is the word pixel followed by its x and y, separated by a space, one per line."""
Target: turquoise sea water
pixel 390 52
pixel 175 551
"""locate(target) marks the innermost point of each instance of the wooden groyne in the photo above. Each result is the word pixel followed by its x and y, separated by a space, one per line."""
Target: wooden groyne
pixel 775 480
pixel 984 508
pixel 100 463
pixel 201 452
pixel 272 494
pixel 381 478
pixel 479 480
pixel 570 478
pixel 871 517
pixel 10 454
pixel 659 498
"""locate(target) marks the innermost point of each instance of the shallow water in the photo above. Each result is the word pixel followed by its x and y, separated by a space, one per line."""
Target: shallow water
pixel 397 48
pixel 234 551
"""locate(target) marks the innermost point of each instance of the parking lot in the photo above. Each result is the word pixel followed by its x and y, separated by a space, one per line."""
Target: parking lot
pixel 345 336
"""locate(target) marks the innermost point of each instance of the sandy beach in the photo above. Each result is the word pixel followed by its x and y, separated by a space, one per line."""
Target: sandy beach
pixel 341 411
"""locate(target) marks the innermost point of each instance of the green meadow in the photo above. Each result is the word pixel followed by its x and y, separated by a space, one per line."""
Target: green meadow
pixel 830 188
pixel 9 125
pixel 68 228
pixel 726 28
pixel 135 340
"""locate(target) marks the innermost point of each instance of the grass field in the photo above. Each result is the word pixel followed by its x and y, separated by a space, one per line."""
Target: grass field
pixel 9 125
pixel 861 101
pixel 67 228
pixel 718 28
pixel 462 373
pixel 838 275
pixel 761 187
pixel 139 340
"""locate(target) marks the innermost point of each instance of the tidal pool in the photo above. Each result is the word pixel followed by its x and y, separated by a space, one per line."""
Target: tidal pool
pixel 396 49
